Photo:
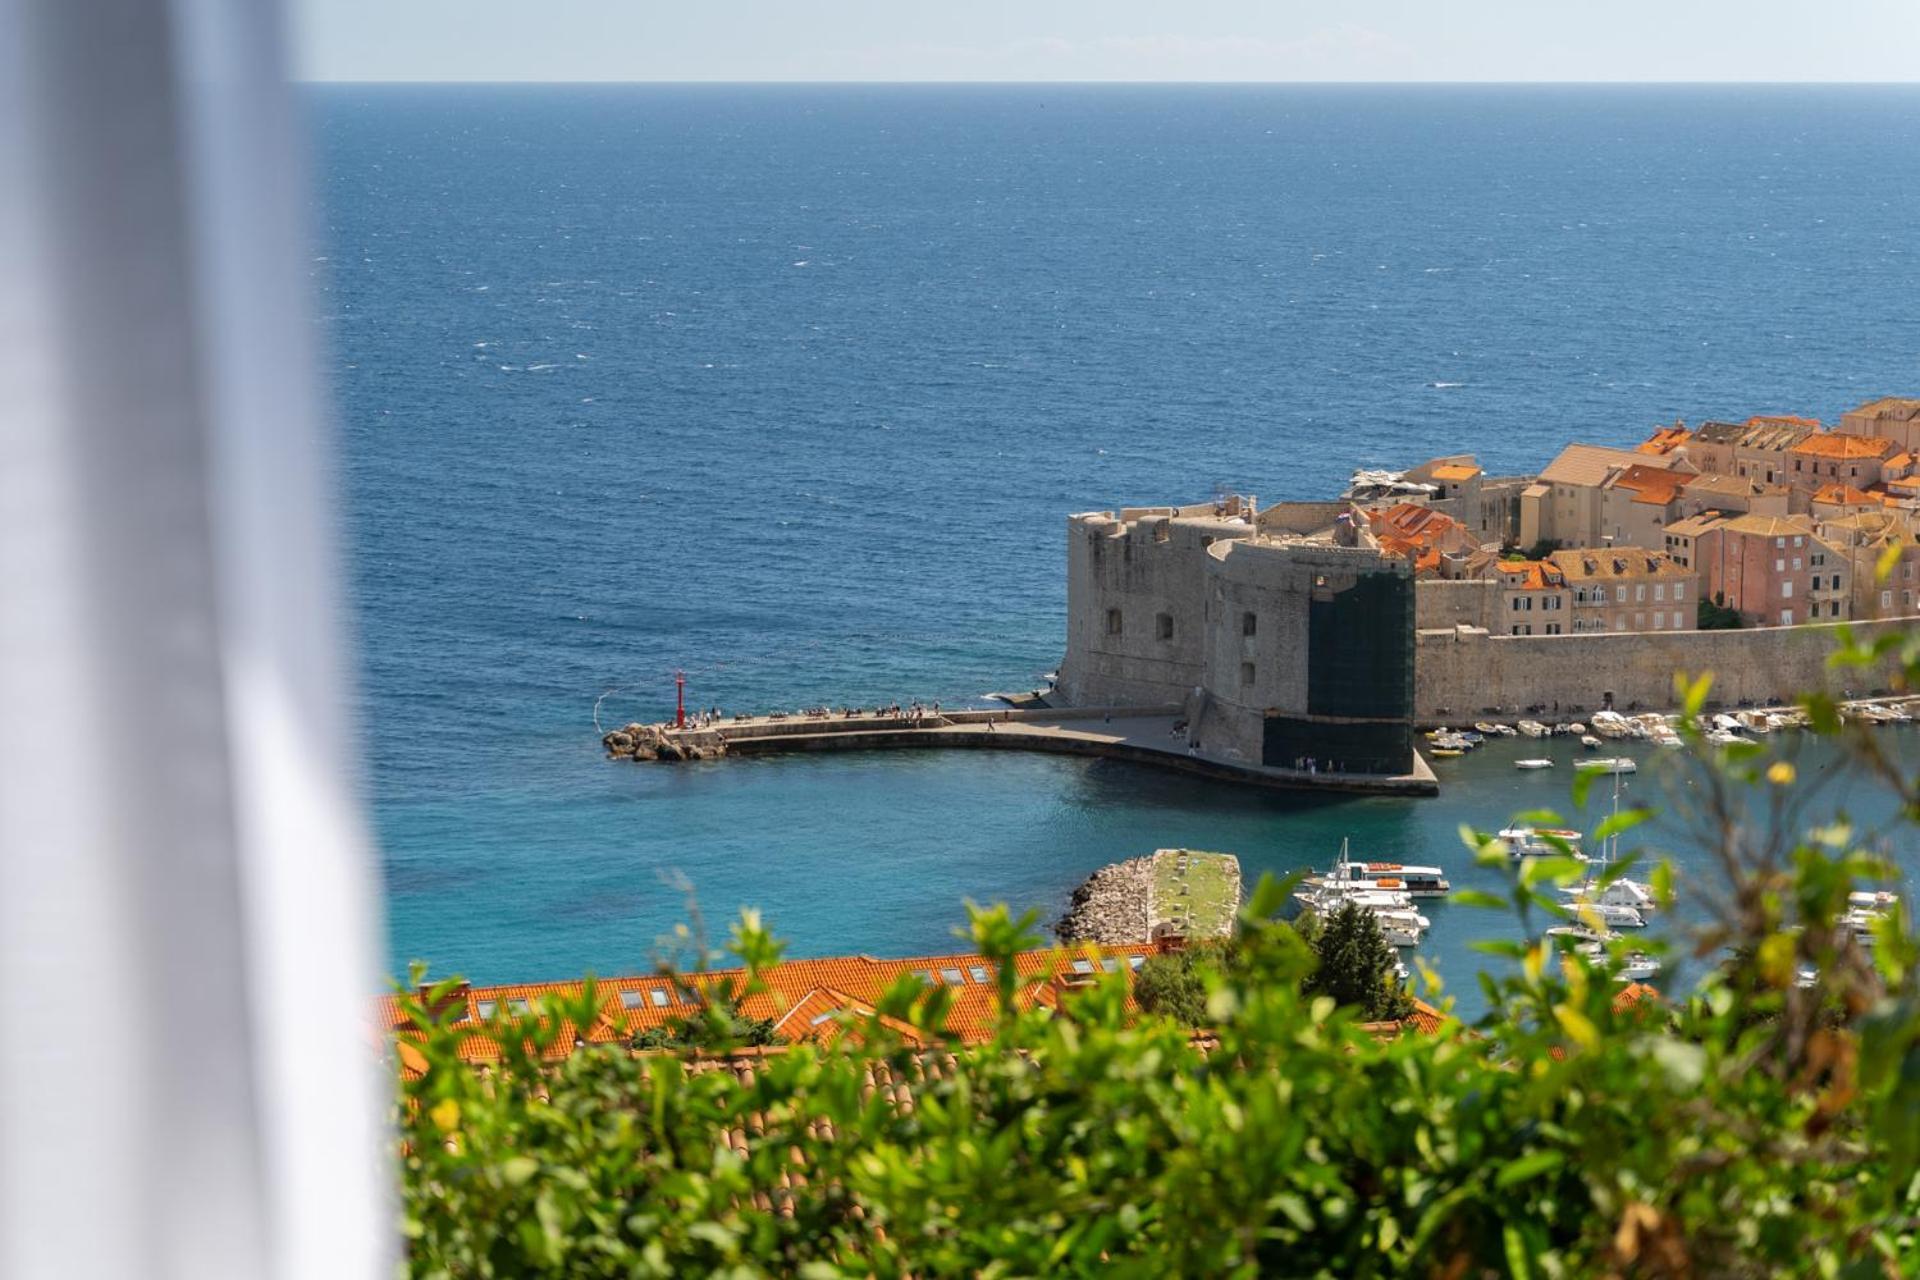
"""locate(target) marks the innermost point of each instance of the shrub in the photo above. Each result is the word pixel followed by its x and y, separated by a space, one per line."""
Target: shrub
pixel 1763 1124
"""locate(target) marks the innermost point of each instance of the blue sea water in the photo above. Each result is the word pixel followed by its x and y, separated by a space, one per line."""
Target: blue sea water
pixel 793 388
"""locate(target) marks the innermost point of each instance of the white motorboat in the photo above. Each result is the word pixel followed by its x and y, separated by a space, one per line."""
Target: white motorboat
pixel 1533 764
pixel 1532 728
pixel 1590 742
pixel 1613 917
pixel 1636 966
pixel 1607 764
pixel 1401 877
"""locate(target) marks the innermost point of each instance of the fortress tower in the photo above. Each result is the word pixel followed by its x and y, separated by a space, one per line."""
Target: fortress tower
pixel 1284 636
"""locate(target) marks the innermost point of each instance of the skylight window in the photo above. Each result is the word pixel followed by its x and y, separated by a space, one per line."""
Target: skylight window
pixel 487 1007
pixel 1083 966
pixel 1110 964
pixel 632 999
pixel 659 997
pixel 819 1018
pixel 979 973
pixel 954 976
pixel 1134 962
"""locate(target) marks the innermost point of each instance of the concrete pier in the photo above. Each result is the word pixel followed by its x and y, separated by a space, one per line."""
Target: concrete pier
pixel 1140 735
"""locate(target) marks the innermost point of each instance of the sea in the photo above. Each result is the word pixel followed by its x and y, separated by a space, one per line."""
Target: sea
pixel 792 389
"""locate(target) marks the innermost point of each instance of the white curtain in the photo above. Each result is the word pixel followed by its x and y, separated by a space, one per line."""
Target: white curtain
pixel 187 914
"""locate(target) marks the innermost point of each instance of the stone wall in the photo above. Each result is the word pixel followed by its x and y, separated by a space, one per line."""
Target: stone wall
pixel 1467 674
pixel 1464 602
pixel 1150 567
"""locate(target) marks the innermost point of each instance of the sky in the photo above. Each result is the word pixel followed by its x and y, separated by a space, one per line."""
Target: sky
pixel 1127 40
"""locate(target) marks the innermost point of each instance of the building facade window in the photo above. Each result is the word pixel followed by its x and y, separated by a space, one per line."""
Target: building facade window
pixel 1249 624
pixel 1246 675
pixel 1163 625
pixel 1113 622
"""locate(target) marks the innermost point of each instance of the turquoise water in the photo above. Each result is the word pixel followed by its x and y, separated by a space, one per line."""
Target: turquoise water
pixel 793 388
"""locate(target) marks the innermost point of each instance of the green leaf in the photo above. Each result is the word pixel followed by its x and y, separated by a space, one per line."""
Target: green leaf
pixel 1615 824
pixel 1476 898
pixel 1531 1165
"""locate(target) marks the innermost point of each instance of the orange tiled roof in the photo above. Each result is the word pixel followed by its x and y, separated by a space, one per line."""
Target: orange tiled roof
pixel 1835 445
pixel 809 1000
pixel 1530 575
pixel 1664 440
pixel 1652 485
pixel 1412 521
pixel 1845 495
pixel 1455 471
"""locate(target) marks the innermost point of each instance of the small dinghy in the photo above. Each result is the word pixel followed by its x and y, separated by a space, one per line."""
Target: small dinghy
pixel 1533 764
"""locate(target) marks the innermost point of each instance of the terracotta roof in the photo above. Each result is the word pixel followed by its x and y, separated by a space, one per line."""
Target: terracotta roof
pixel 1838 445
pixel 1694 526
pixel 816 1001
pixel 1664 440
pixel 1589 464
pixel 1845 495
pixel 1783 420
pixel 1455 471
pixel 1635 993
pixel 1529 575
pixel 1900 408
pixel 1717 483
pixel 1411 520
pixel 1769 526
pixel 1617 562
pixel 1650 485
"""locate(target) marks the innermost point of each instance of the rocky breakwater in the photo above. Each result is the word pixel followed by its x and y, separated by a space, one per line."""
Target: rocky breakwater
pixel 663 742
pixel 1171 893
pixel 1112 906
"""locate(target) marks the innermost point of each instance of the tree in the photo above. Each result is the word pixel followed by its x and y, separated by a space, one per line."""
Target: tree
pixel 1714 615
pixel 1356 965
pixel 1168 985
pixel 1174 985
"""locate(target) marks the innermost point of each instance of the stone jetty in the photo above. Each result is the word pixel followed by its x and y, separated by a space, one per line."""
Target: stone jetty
pixel 1170 893
pixel 1140 735
pixel 664 742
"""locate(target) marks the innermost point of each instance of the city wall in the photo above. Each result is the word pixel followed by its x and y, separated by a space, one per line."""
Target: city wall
pixel 1466 674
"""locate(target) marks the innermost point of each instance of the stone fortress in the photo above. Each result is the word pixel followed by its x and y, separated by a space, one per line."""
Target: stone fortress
pixel 1320 634
pixel 1285 635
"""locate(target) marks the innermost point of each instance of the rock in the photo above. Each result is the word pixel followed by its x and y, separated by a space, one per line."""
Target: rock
pixel 619 742
pixel 1110 906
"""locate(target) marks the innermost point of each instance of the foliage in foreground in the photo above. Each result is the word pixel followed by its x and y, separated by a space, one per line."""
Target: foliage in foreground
pixel 1756 1127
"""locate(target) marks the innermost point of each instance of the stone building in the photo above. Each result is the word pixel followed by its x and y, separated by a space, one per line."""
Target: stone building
pixel 1755 450
pixel 1563 506
pixel 1638 502
pixel 1864 538
pixel 1857 461
pixel 1278 642
pixel 1894 417
pixel 1533 598
pixel 1774 570
pixel 1627 589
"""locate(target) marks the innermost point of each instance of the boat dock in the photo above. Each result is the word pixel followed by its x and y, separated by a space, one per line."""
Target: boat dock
pixel 1139 735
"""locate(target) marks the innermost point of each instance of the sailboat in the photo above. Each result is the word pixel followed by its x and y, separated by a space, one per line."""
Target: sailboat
pixel 1621 903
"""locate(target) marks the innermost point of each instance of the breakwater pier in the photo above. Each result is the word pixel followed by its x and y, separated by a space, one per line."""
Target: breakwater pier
pixel 1150 735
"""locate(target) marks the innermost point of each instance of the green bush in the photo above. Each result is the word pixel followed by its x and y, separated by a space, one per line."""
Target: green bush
pixel 1715 615
pixel 1753 1127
